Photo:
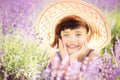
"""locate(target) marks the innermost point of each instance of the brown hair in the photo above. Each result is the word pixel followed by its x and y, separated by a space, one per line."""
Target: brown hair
pixel 69 22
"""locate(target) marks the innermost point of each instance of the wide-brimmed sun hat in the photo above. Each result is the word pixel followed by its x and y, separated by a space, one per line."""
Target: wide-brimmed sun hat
pixel 56 11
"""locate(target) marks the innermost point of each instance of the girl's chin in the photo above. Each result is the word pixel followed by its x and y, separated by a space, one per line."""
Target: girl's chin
pixel 71 52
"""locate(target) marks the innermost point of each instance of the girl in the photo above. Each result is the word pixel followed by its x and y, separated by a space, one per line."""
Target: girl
pixel 72 36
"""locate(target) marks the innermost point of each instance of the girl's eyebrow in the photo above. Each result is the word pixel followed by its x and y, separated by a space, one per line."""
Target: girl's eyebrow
pixel 75 31
pixel 78 31
pixel 65 31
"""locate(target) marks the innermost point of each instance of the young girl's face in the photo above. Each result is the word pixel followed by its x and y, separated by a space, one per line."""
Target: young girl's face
pixel 74 39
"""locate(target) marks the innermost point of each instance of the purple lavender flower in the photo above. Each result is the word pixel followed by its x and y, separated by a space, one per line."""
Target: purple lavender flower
pixel 15 14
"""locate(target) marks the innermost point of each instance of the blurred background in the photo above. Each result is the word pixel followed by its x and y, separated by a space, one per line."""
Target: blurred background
pixel 18 44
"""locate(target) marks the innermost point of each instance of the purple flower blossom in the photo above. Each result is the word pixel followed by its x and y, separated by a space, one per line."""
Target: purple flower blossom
pixel 16 14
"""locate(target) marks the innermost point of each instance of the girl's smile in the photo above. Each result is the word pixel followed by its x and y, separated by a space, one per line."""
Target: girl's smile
pixel 72 46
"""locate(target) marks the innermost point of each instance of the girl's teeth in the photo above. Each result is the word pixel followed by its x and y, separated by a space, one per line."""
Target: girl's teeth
pixel 72 46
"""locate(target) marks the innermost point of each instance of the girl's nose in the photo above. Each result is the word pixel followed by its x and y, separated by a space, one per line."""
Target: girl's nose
pixel 73 38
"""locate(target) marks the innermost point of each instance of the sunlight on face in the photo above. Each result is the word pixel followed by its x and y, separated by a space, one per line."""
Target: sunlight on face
pixel 74 39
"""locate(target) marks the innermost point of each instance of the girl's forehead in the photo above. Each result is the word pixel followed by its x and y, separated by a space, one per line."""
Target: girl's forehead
pixel 79 29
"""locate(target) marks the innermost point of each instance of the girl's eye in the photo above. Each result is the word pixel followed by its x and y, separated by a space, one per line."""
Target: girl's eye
pixel 65 35
pixel 78 34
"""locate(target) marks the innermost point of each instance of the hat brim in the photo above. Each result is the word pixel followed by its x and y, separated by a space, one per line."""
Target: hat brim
pixel 56 11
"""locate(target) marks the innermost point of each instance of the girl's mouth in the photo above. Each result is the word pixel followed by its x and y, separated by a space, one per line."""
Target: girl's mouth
pixel 72 46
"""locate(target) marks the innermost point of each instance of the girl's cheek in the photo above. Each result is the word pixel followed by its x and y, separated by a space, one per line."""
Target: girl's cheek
pixel 63 41
pixel 81 39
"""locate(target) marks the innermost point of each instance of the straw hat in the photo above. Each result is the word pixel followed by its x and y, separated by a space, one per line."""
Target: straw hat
pixel 56 11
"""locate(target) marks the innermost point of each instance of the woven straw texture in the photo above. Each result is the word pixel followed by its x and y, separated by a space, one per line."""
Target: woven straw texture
pixel 56 11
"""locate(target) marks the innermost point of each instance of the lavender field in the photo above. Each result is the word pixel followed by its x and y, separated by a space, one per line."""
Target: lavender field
pixel 22 57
